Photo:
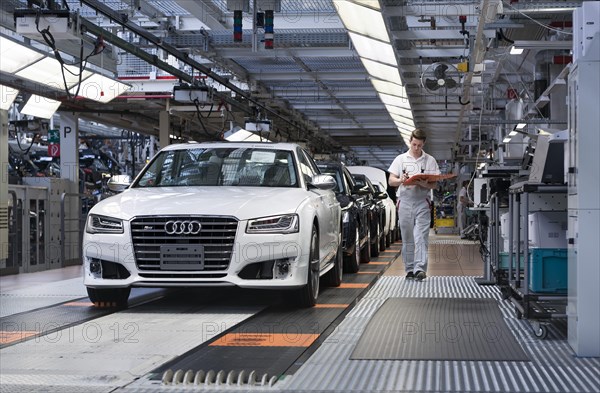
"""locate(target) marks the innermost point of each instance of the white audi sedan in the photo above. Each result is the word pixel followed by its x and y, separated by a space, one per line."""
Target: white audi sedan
pixel 253 215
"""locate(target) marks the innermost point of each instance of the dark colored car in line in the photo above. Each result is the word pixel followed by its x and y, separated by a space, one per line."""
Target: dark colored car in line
pixel 354 202
pixel 376 213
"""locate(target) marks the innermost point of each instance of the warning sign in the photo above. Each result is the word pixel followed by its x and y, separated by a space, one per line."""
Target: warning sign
pixel 54 150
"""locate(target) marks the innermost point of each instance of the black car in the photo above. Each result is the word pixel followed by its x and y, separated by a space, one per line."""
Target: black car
pixel 355 215
pixel 376 213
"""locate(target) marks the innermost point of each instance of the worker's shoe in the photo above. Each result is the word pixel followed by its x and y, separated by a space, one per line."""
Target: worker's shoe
pixel 410 276
pixel 420 276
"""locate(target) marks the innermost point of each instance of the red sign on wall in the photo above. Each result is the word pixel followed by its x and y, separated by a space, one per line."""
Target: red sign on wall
pixel 54 150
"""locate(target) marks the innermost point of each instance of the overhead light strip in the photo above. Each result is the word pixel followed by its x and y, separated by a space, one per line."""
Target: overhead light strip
pixel 39 106
pixel 17 59
pixel 7 97
pixel 366 28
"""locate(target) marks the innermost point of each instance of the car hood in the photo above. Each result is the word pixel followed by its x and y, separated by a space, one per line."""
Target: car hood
pixel 240 202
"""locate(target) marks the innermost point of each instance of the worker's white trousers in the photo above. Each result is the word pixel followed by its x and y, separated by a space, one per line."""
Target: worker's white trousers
pixel 462 218
pixel 414 218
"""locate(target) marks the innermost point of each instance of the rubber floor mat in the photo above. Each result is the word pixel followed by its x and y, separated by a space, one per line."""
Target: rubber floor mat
pixel 438 329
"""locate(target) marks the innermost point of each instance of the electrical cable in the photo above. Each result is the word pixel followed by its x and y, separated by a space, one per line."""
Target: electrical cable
pixel 535 21
pixel 503 37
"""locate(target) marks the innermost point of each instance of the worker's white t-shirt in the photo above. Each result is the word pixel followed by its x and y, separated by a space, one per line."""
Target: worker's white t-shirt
pixel 406 163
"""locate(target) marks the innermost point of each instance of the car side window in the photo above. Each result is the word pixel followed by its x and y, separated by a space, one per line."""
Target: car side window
pixel 349 180
pixel 307 166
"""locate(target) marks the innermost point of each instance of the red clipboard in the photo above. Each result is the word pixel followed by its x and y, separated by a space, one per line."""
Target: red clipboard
pixel 429 178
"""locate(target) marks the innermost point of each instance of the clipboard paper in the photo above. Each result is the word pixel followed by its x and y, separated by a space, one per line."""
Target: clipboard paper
pixel 427 177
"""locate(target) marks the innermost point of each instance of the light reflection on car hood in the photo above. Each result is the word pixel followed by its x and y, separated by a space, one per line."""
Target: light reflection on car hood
pixel 240 202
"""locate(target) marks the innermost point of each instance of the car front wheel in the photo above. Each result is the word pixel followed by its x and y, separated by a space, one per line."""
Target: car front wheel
pixel 375 246
pixel 353 260
pixel 310 292
pixel 334 276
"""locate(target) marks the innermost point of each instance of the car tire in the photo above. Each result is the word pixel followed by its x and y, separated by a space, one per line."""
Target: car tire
pixel 334 276
pixel 365 252
pixel 382 240
pixel 375 246
pixel 308 294
pixel 352 262
pixel 109 297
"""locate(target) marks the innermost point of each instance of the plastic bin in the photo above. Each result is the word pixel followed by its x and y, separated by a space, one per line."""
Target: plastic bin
pixel 548 270
pixel 504 260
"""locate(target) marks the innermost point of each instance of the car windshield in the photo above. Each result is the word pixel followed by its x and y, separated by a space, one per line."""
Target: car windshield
pixel 245 166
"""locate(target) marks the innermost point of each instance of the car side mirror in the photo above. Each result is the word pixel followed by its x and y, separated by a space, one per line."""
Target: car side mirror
pixel 381 195
pixel 323 182
pixel 118 183
pixel 361 190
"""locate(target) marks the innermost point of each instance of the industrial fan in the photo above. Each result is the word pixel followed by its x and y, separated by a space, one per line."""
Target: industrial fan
pixel 440 78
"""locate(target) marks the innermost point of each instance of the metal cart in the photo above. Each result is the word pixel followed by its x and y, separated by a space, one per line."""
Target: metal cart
pixel 537 307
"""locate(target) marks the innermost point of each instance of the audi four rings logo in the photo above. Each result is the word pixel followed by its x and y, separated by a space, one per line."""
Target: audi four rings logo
pixel 183 227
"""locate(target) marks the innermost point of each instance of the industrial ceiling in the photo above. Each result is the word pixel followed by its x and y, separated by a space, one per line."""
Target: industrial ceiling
pixel 453 58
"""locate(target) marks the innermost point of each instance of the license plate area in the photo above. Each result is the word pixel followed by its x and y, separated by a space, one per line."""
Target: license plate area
pixel 182 257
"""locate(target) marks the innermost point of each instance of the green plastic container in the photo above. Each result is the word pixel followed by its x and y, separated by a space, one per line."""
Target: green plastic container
pixel 504 260
pixel 548 270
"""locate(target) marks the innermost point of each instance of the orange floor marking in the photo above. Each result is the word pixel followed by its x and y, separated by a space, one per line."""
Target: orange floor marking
pixel 388 251
pixel 352 285
pixel 265 340
pixel 332 305
pixel 378 263
pixel 367 272
pixel 11 337
pixel 79 304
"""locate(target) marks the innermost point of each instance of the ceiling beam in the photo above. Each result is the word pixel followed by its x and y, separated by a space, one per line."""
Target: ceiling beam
pixel 206 11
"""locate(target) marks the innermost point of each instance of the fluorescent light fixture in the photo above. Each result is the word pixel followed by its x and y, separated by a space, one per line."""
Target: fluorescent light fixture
pixel 368 3
pixel 386 87
pixel 400 102
pixel 362 20
pixel 400 118
pixel 520 126
pixel 516 51
pixel 512 133
pixel 404 126
pixel 48 71
pixel 482 165
pixel 242 135
pixel 372 49
pixel 382 71
pixel 14 56
pixel 100 88
pixel 7 96
pixel 507 139
pixel 394 110
pixel 40 107
pixel 405 123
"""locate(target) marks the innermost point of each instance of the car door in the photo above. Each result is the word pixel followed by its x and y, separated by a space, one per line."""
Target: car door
pixel 327 208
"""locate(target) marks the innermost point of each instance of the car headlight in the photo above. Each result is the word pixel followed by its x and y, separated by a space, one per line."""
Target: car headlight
pixel 103 224
pixel 287 223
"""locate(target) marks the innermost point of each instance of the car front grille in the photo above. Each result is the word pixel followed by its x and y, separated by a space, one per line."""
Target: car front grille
pixel 217 236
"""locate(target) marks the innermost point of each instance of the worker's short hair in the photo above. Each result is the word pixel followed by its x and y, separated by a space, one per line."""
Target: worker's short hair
pixel 418 134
